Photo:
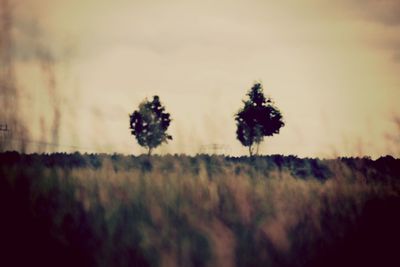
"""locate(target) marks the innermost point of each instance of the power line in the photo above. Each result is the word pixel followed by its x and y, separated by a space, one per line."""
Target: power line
pixel 215 149
pixel 10 139
pixel 48 144
pixel 71 147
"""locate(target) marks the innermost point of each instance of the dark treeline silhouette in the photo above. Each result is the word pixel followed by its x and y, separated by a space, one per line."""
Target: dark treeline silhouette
pixel 304 168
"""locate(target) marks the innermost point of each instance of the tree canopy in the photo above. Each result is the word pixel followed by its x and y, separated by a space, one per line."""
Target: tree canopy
pixel 149 124
pixel 258 118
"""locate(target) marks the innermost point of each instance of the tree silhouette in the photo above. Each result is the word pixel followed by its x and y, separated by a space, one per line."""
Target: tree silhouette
pixel 150 123
pixel 258 118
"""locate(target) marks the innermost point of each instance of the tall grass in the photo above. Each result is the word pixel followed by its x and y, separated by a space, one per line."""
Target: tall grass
pixel 197 211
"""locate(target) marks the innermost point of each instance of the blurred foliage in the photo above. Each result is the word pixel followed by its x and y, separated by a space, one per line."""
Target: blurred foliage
pixel 114 210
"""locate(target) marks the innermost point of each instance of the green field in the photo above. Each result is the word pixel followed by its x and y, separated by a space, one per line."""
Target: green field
pixel 175 210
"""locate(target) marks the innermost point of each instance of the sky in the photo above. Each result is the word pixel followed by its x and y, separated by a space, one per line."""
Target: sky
pixel 331 67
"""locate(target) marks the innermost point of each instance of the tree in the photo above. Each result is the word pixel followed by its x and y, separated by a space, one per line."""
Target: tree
pixel 258 118
pixel 149 124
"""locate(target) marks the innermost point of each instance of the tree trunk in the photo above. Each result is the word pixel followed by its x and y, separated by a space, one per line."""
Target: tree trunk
pixel 149 152
pixel 251 151
pixel 257 148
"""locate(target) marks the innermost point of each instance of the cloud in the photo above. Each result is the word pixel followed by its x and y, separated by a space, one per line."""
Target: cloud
pixel 393 45
pixel 386 12
pixel 378 20
pixel 31 39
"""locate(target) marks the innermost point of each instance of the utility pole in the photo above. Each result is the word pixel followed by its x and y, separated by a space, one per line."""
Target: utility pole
pixel 3 128
pixel 10 118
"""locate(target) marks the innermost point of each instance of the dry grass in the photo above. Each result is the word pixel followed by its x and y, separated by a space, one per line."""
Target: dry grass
pixel 173 215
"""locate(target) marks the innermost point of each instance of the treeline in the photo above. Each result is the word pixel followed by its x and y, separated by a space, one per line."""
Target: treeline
pixel 303 168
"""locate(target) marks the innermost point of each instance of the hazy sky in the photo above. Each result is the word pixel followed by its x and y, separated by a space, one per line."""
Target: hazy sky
pixel 332 67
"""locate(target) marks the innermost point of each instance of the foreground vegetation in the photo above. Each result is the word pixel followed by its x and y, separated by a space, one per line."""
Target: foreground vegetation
pixel 113 210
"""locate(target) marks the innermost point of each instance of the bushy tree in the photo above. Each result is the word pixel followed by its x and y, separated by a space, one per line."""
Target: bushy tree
pixel 258 118
pixel 149 124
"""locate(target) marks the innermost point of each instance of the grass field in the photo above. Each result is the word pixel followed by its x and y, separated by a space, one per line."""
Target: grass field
pixel 114 210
